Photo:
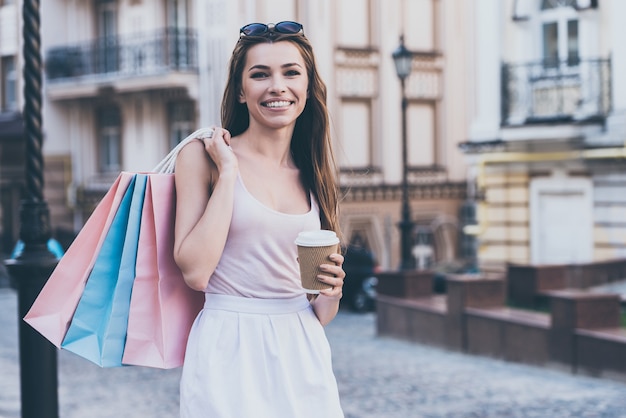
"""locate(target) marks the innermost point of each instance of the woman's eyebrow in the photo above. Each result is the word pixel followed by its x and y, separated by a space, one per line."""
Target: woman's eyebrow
pixel 266 67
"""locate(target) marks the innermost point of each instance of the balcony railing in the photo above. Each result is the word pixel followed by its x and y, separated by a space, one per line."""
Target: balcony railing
pixel 574 90
pixel 131 55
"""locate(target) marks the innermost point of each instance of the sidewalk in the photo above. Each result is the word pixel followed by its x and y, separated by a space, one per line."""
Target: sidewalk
pixel 377 377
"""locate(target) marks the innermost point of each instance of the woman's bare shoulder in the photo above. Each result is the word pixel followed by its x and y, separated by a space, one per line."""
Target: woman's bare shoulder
pixel 191 151
pixel 193 156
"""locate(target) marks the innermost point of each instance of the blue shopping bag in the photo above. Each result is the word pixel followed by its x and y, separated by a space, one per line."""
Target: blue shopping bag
pixel 97 331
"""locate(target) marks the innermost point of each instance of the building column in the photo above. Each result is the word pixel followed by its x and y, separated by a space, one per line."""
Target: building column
pixel 486 36
pixel 616 123
pixel 217 35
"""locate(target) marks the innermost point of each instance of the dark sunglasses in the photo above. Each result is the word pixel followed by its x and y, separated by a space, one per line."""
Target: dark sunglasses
pixel 260 29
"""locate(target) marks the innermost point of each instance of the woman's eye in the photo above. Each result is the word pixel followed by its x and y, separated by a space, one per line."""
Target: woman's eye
pixel 258 75
pixel 292 73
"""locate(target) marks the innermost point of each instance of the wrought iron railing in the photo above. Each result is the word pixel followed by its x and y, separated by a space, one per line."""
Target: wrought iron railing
pixel 158 52
pixel 571 90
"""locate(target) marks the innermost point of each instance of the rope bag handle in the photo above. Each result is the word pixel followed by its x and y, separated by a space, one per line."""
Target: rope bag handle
pixel 167 165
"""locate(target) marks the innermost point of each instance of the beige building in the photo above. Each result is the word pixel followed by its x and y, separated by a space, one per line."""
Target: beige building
pixel 125 80
pixel 548 134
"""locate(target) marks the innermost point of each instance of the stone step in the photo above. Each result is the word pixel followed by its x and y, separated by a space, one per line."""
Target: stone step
pixel 617 335
pixel 514 315
pixel 435 304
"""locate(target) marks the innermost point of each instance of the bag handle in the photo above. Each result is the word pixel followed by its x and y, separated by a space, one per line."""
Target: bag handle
pixel 167 165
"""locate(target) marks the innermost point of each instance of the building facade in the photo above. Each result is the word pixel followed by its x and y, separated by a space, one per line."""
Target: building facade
pixel 11 142
pixel 548 133
pixel 125 80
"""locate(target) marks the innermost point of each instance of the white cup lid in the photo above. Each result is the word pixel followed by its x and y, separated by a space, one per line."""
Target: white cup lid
pixel 317 238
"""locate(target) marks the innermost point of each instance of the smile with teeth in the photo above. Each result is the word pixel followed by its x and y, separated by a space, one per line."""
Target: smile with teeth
pixel 276 104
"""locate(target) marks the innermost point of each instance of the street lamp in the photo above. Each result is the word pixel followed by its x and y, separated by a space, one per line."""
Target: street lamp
pixel 30 270
pixel 403 59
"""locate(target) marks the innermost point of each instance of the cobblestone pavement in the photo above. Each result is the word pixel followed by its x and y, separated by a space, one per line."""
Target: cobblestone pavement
pixel 377 377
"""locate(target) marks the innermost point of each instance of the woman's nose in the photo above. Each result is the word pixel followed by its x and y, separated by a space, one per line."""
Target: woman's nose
pixel 278 85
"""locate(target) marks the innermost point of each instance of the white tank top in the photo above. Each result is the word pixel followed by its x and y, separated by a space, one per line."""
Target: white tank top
pixel 260 257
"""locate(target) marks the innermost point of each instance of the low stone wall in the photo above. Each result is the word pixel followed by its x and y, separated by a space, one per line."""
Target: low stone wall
pixel 406 284
pixel 601 353
pixel 509 334
pixel 418 320
pixel 580 332
pixel 528 285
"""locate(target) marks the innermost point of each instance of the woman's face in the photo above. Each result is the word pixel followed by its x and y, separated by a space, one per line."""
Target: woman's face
pixel 274 84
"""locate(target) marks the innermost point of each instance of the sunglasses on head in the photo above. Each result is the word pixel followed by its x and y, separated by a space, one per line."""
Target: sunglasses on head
pixel 260 29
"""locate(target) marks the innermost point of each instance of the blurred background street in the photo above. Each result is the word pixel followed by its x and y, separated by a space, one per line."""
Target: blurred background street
pixel 377 377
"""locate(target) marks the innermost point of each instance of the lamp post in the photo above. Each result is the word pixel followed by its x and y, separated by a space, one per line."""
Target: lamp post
pixel 403 59
pixel 30 270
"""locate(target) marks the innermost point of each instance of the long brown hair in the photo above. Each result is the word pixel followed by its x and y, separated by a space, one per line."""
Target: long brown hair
pixel 311 144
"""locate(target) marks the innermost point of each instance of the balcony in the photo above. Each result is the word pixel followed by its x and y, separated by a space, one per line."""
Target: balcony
pixel 164 59
pixel 574 91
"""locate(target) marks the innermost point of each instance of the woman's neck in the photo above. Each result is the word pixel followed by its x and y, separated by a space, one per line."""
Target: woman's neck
pixel 270 144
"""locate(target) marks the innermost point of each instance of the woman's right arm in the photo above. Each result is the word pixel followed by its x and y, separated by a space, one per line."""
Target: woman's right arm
pixel 205 178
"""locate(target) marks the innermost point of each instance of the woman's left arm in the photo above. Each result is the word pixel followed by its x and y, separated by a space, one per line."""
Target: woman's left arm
pixel 326 304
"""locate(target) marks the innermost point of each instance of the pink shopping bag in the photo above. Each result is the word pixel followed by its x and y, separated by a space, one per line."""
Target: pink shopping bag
pixel 162 306
pixel 52 311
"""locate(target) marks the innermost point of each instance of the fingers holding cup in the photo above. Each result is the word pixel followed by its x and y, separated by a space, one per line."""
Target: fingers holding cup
pixel 315 249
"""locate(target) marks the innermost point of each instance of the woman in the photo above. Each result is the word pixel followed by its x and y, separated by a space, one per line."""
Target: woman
pixel 258 348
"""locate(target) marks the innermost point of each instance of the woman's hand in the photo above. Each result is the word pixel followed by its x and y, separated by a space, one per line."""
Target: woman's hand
pixel 333 275
pixel 217 145
pixel 327 304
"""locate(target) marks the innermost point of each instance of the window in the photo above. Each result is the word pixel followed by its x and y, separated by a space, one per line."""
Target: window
pixel 559 22
pixel 572 42
pixel 177 13
pixel 353 23
pixel 421 134
pixel 181 121
pixel 107 31
pixel 550 44
pixel 107 18
pixel 356 134
pixel 419 24
pixel 109 139
pixel 177 23
pixel 9 84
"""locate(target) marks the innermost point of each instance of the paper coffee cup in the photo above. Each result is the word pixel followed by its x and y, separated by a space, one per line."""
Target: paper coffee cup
pixel 314 248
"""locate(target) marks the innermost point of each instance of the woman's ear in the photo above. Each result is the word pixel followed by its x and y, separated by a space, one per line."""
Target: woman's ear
pixel 242 97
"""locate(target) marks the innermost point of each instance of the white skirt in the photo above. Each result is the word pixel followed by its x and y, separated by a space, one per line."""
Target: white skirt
pixel 258 358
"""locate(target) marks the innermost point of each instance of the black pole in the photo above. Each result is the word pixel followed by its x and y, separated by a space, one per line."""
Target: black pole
pixel 30 270
pixel 406 224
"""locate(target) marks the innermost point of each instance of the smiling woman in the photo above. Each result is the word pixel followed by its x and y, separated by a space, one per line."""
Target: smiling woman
pixel 274 78
pixel 258 347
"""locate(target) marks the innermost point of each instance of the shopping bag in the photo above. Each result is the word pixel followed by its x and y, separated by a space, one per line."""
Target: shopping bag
pixel 98 328
pixel 171 306
pixel 54 307
pixel 162 306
